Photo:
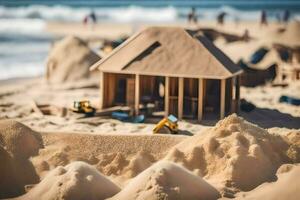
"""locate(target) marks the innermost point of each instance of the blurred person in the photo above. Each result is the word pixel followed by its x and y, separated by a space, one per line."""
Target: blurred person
pixel 93 17
pixel 246 36
pixel 220 18
pixel 192 17
pixel 286 16
pixel 263 18
pixel 85 20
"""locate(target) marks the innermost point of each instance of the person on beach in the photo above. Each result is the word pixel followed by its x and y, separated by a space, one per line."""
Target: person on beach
pixel 263 18
pixel 93 17
pixel 286 16
pixel 220 18
pixel 85 20
pixel 192 17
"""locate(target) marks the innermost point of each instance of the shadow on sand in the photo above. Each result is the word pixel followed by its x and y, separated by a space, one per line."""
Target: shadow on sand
pixel 268 118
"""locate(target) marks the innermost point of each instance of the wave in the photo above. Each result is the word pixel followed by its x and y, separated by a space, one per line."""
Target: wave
pixel 120 14
pixel 65 13
pixel 21 26
pixel 20 70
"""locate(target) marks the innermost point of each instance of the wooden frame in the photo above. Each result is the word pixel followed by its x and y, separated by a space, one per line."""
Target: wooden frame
pixel 180 97
pixel 137 94
pixel 200 98
pixel 167 95
pixel 101 90
pixel 222 98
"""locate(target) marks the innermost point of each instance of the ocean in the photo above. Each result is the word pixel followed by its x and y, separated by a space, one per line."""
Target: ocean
pixel 24 44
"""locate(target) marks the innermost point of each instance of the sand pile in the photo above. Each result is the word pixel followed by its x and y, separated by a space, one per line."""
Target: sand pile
pixel 119 164
pixel 288 36
pixel 293 139
pixel 166 180
pixel 19 140
pixel 9 186
pixel 77 180
pixel 69 60
pixel 138 163
pixel 223 154
pixel 286 187
pixel 17 144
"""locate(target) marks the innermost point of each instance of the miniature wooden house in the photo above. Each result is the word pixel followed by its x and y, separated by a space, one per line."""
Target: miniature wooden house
pixel 178 71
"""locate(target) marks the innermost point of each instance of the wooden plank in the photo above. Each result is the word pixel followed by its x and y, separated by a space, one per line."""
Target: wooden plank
pixel 101 87
pixel 130 91
pixel 237 93
pixel 180 97
pixel 222 98
pixel 137 94
pixel 167 95
pixel 200 99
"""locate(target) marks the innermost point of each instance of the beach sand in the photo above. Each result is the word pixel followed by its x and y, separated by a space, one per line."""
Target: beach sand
pixel 97 158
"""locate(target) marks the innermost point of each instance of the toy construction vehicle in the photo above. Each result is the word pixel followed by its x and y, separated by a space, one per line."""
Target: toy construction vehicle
pixel 167 124
pixel 84 107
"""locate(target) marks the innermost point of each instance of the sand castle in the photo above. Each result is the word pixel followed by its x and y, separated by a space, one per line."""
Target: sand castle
pixel 69 60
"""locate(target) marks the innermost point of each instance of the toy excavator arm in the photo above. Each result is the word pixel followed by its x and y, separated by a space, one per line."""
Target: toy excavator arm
pixel 159 125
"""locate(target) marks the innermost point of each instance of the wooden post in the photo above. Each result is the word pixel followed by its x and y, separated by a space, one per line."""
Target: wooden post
pixel 222 98
pixel 101 88
pixel 137 94
pixel 167 95
pixel 237 93
pixel 200 99
pixel 180 97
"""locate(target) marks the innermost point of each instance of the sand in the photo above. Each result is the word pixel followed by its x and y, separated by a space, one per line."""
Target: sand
pixel 69 60
pixel 76 181
pixel 223 154
pixel 17 143
pixel 232 159
pixel 19 140
pixel 166 180
pixel 285 187
pixel 125 155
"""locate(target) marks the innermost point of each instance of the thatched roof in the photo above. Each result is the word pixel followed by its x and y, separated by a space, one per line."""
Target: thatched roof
pixel 169 51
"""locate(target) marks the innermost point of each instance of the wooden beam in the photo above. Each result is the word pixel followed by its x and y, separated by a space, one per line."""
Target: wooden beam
pixel 102 88
pixel 137 94
pixel 237 94
pixel 167 95
pixel 222 98
pixel 200 99
pixel 180 97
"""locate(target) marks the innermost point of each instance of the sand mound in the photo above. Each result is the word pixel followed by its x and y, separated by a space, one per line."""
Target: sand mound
pixel 293 139
pixel 166 180
pixel 19 140
pixel 77 180
pixel 69 60
pixel 17 144
pixel 286 187
pixel 9 186
pixel 138 163
pixel 224 153
pixel 288 36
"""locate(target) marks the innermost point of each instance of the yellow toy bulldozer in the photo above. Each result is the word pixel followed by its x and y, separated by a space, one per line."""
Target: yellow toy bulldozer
pixel 84 107
pixel 168 123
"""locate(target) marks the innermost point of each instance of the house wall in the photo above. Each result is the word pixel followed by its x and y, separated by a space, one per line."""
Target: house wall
pixel 117 91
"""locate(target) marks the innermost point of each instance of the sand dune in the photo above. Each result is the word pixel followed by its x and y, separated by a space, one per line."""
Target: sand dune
pixel 76 181
pixel 166 180
pixel 223 154
pixel 69 61
pixel 207 165
pixel 17 143
pixel 286 187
